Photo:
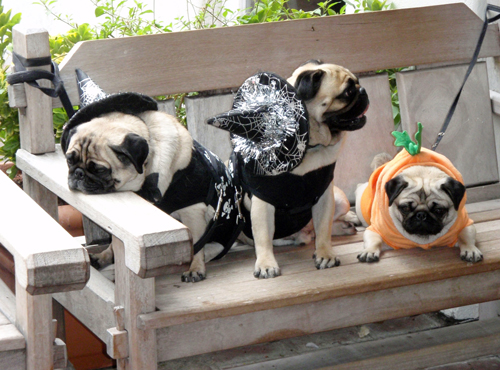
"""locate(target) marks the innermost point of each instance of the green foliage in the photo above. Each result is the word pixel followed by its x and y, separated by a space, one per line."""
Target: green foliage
pixel 403 139
pixel 215 14
pixel 130 18
pixel 370 5
pixel 9 127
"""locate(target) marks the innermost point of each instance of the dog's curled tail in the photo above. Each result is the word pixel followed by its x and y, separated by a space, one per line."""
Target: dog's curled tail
pixel 379 160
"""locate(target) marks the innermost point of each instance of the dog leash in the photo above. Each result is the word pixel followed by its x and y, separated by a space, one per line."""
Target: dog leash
pixel 487 21
pixel 22 75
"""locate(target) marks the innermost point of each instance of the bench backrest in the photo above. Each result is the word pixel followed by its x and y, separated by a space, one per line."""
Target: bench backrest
pixel 223 58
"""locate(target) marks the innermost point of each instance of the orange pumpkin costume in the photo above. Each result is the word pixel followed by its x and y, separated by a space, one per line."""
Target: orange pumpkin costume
pixel 375 202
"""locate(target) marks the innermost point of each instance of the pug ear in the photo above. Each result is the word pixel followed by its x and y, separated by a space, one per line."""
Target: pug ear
pixel 455 189
pixel 394 187
pixel 308 83
pixel 134 149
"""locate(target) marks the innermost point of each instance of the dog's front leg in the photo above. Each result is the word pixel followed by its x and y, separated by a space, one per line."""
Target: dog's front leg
pixel 373 245
pixel 262 215
pixel 467 244
pixel 194 218
pixel 322 213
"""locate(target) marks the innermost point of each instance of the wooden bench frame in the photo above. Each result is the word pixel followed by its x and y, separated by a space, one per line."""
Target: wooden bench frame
pixel 47 260
pixel 149 244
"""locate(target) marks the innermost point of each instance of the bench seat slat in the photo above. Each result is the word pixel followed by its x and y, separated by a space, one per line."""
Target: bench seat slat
pixel 230 289
pixel 264 326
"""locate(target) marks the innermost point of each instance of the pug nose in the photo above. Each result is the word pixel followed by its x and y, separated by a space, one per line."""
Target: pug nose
pixel 421 216
pixel 79 173
pixel 362 90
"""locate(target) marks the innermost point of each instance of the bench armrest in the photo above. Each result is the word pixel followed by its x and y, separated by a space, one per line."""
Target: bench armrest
pixel 47 258
pixel 153 240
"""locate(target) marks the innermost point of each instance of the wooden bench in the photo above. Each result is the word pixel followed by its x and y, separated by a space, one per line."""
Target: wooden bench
pixel 147 315
pixel 47 260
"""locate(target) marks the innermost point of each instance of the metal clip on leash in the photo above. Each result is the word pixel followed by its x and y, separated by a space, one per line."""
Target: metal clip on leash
pixel 487 21
pixel 238 197
pixel 218 187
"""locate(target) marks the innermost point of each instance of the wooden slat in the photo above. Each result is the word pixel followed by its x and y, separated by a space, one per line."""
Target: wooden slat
pixel 152 244
pixel 426 96
pixel 225 57
pixel 198 110
pixel 401 352
pixel 47 259
pixel 14 360
pixel 100 296
pixel 456 343
pixel 218 297
pixel 7 302
pixel 10 337
pixel 264 326
pixel 478 207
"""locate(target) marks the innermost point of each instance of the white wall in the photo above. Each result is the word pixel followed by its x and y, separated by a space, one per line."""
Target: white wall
pixel 82 11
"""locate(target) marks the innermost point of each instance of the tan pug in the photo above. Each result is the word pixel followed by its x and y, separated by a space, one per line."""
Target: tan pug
pixel 419 202
pixel 123 143
pixel 336 104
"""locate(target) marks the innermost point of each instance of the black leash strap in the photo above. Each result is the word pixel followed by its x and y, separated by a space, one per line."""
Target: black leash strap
pixel 487 21
pixel 30 77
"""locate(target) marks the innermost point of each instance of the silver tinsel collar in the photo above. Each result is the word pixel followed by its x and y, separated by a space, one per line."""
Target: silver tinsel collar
pixel 268 124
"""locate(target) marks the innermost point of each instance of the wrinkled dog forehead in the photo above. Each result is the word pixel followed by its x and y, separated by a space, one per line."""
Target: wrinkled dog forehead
pixel 335 75
pixel 426 178
pixel 109 129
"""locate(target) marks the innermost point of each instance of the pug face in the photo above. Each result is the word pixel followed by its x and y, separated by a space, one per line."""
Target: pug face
pixel 423 202
pixel 107 154
pixel 335 101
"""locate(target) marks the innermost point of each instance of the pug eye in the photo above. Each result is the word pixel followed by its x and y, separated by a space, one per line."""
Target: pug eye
pixel 71 159
pixel 96 168
pixel 349 92
pixel 439 211
pixel 405 209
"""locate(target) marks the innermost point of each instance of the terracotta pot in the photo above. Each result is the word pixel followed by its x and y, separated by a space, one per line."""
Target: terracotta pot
pixel 5 166
pixel 71 220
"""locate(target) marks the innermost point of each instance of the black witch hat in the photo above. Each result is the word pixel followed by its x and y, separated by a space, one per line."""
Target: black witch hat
pixel 94 102
pixel 268 123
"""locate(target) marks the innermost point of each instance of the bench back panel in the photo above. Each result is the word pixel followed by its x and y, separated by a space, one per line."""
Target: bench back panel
pixel 224 57
pixel 353 166
pixel 469 142
pixel 198 110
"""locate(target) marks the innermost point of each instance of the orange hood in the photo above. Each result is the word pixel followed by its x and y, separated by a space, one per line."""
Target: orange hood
pixel 375 202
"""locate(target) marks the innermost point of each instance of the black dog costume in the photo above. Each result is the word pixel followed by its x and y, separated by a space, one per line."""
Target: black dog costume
pixel 270 133
pixel 205 180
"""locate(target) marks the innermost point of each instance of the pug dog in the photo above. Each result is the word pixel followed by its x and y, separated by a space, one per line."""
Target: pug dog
pixel 415 201
pixel 123 143
pixel 336 104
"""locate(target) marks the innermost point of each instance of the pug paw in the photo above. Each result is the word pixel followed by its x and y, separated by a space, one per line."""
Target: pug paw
pixel 471 254
pixel 368 257
pixel 193 276
pixel 325 260
pixel 267 270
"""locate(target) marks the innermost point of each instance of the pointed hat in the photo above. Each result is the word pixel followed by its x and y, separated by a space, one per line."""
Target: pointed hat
pixel 268 123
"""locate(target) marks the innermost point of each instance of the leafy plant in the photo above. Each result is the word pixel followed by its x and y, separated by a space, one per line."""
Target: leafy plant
pixel 370 5
pixel 9 127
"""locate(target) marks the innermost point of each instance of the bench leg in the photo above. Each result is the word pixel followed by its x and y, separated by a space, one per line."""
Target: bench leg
pixel 137 296
pixel 34 320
